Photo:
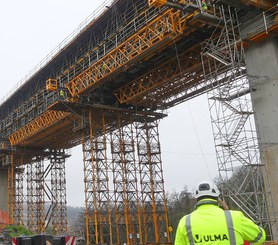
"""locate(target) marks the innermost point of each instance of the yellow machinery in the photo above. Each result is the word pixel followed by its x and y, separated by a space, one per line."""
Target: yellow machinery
pixel 51 84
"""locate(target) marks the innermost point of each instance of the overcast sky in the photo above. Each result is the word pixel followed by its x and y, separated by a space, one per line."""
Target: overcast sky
pixel 31 29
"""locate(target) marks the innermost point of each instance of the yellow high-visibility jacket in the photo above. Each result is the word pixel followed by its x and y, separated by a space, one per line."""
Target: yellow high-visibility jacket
pixel 210 224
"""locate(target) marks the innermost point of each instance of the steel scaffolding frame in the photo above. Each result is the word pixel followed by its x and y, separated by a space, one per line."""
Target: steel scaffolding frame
pixel 19 172
pixel 125 172
pixel 97 194
pixel 35 196
pixel 58 192
pixel 154 207
pixel 115 209
pixel 11 186
pixel 232 116
pixel 34 178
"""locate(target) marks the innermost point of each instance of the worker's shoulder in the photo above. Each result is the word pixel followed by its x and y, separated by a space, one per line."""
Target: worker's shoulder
pixel 236 214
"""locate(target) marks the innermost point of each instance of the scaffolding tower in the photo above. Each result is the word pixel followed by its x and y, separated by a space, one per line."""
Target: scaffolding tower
pixel 232 116
pixel 124 188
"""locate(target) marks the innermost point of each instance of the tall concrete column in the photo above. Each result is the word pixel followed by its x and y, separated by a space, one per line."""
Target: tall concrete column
pixel 262 69
pixel 4 189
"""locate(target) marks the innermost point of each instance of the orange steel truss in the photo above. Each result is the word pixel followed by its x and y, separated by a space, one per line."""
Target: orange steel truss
pixel 178 67
pixel 47 119
pixel 147 41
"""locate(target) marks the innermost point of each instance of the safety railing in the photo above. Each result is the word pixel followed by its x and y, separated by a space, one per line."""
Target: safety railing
pixel 93 17
pixel 266 21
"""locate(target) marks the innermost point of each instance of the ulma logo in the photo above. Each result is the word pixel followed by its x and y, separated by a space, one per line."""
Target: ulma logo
pixel 210 238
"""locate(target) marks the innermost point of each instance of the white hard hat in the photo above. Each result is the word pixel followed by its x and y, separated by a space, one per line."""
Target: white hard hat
pixel 206 189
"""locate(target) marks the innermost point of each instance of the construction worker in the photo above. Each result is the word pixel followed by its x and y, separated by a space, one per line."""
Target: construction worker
pixel 209 223
pixel 204 5
pixel 62 93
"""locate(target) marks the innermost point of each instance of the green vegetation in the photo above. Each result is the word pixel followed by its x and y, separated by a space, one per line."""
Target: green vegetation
pixel 17 230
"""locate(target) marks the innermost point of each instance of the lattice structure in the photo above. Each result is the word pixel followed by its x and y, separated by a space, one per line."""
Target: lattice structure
pixel 154 208
pixel 115 209
pixel 125 172
pixel 130 61
pixel 97 196
pixel 19 174
pixel 157 33
pixel 11 187
pixel 58 191
pixel 233 123
pixel 35 196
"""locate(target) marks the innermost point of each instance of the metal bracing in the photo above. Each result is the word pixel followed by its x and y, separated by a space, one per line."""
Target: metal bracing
pixel 154 208
pixel 125 182
pixel 233 124
pixel 58 193
pixel 11 186
pixel 19 194
pixel 35 196
pixel 171 72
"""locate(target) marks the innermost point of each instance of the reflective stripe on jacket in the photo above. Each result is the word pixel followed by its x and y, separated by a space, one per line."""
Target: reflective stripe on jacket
pixel 210 224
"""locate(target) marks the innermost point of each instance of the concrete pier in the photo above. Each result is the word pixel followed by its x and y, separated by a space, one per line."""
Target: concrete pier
pixel 4 189
pixel 262 69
